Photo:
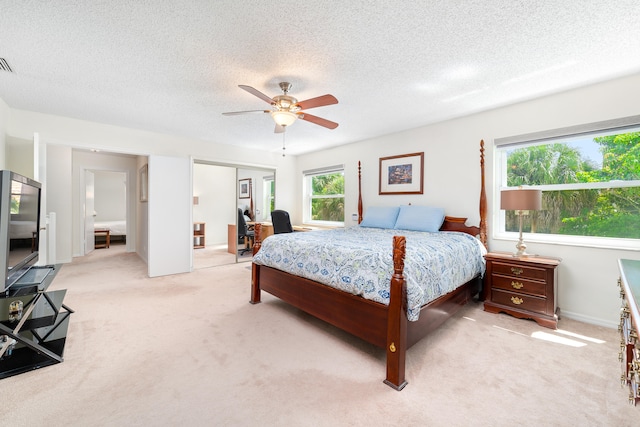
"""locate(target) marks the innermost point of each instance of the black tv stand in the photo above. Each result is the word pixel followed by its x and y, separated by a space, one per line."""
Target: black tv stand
pixel 33 323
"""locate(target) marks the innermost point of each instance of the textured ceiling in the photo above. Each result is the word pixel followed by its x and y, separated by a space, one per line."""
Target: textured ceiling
pixel 175 66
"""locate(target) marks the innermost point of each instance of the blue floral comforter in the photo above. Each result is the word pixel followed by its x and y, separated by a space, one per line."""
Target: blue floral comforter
pixel 359 260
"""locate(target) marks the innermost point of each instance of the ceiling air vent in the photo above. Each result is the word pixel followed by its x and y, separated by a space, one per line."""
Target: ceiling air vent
pixel 4 65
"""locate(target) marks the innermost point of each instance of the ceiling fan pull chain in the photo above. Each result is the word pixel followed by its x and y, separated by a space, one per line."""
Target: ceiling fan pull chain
pixel 283 134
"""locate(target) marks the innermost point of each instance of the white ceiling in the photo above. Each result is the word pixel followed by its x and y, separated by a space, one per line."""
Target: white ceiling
pixel 174 66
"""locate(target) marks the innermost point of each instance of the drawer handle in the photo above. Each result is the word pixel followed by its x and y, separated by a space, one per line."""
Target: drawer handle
pixel 516 300
pixel 517 271
pixel 517 285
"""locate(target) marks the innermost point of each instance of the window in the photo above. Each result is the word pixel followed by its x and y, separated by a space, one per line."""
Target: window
pixel 268 196
pixel 324 196
pixel 589 177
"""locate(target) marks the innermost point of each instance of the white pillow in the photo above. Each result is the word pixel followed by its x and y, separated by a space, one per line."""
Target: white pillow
pixel 380 217
pixel 420 218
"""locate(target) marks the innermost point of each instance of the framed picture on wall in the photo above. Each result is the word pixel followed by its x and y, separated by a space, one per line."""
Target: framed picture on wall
pixel 403 174
pixel 244 188
pixel 144 183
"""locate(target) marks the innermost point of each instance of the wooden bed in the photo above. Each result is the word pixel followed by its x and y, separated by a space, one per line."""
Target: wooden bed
pixel 381 325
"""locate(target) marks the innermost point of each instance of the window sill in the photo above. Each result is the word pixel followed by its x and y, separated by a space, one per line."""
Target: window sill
pixel 581 241
pixel 320 224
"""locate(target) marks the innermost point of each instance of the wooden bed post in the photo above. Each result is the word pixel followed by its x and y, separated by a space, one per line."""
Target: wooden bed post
pixel 257 238
pixel 483 200
pixel 397 319
pixel 255 269
pixel 251 214
pixel 359 193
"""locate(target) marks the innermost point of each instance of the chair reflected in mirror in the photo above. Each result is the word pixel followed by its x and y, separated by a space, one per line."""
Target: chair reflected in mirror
pixel 281 222
pixel 245 236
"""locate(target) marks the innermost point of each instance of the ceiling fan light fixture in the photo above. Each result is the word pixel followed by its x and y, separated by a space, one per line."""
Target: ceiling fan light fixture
pixel 285 109
pixel 284 118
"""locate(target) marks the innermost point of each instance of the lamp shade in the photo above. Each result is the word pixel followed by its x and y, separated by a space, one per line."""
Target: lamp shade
pixel 521 200
pixel 284 118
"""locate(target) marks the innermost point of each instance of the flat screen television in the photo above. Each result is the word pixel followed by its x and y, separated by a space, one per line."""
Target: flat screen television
pixel 19 226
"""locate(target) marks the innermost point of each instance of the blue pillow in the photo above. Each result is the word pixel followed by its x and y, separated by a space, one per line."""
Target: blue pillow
pixel 380 217
pixel 420 218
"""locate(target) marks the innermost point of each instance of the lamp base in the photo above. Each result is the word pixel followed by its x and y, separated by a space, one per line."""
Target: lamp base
pixel 522 255
pixel 520 246
pixel 521 249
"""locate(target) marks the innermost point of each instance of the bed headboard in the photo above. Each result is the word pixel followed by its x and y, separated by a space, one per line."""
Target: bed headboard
pixel 452 223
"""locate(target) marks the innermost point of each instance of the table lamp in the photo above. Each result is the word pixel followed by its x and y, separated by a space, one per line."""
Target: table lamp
pixel 520 200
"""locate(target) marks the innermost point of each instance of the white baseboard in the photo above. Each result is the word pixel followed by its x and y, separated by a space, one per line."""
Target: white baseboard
pixel 588 319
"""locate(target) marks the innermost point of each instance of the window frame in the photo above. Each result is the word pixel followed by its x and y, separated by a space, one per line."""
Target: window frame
pixel 501 145
pixel 308 197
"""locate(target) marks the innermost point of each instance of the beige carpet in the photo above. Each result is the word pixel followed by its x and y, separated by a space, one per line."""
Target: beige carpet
pixel 216 255
pixel 190 350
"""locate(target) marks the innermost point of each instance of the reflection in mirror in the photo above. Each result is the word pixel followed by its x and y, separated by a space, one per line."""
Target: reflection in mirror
pixel 219 195
pixel 256 198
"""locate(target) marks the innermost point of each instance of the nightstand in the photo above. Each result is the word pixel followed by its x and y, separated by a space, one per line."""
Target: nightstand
pixel 523 287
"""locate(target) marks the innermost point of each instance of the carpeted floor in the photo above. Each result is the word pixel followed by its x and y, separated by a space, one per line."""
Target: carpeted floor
pixel 217 255
pixel 190 350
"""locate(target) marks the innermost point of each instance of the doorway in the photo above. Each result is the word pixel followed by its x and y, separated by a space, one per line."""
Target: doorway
pixel 110 207
pixel 114 199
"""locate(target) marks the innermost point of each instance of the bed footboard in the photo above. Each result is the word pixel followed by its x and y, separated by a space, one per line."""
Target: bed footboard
pixel 383 326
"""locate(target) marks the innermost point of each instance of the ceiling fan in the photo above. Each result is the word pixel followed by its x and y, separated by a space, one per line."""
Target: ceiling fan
pixel 285 109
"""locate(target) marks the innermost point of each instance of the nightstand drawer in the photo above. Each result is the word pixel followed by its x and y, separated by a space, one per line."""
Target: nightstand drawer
pixel 519 301
pixel 519 284
pixel 515 270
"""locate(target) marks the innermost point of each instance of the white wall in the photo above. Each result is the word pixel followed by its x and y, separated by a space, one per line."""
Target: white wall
pixel 587 283
pixel 170 226
pixel 110 195
pixel 107 138
pixel 60 176
pixel 289 189
pixel 64 131
pixel 19 156
pixel 4 124
pixel 142 215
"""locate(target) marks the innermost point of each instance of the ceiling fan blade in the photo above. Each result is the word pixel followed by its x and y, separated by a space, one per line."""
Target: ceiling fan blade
pixel 279 129
pixel 320 101
pixel 235 113
pixel 318 120
pixel 257 93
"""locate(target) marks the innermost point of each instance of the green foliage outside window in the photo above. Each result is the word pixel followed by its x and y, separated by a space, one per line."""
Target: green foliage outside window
pixel 327 197
pixel 271 195
pixel 603 212
pixel 15 204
